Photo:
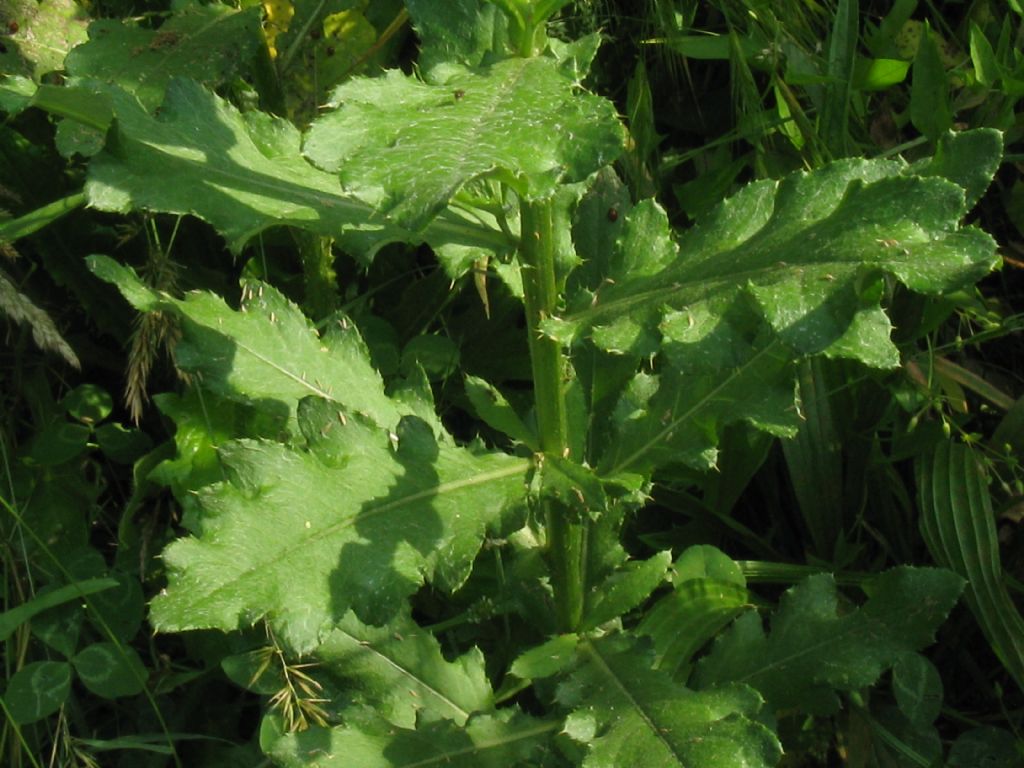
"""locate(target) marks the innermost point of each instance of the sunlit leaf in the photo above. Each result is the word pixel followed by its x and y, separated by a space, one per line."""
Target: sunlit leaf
pixel 631 715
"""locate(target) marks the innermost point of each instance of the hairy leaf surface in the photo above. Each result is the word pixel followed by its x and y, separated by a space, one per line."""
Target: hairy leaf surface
pixel 632 715
pixel 399 669
pixel 358 521
pixel 504 740
pixel 807 252
pixel 407 147
pixel 267 352
pixel 207 43
pixel 241 173
pixel 814 649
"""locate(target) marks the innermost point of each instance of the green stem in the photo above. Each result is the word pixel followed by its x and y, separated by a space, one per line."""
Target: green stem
pixel 566 527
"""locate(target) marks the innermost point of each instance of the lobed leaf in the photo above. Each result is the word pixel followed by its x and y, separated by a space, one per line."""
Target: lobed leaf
pixel 365 515
pixel 814 649
pixel 210 44
pixel 241 173
pixel 629 714
pixel 504 740
pixel 267 352
pixel 400 671
pixel 406 147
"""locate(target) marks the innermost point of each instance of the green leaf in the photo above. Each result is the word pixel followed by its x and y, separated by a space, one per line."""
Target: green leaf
pixel 407 147
pixel 210 44
pixel 959 529
pixel 780 270
pixel 460 31
pixel 967 158
pixel 400 671
pixel 625 589
pixel 503 740
pixel 492 408
pixel 45 32
pixel 631 715
pixel 11 619
pixel 365 515
pixel 267 351
pixel 241 173
pixel 917 687
pixel 37 690
pixel 984 746
pixel 813 649
pixel 709 592
pixel 110 671
pixel 547 659
pixel 673 418
pixel 930 110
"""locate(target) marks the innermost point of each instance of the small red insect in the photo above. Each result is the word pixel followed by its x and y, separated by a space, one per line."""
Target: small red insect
pixel 12 27
pixel 613 214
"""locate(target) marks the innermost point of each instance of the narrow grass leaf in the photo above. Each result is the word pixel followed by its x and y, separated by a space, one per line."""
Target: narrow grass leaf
pixel 11 619
pixel 958 525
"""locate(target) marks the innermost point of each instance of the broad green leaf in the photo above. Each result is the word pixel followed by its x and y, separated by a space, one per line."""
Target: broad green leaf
pixel 959 527
pixel 813 649
pixel 37 690
pixel 266 351
pixel 44 33
pixel 631 715
pixel 780 270
pixel 210 44
pixel 400 671
pixel 967 158
pixel 407 147
pixel 365 515
pixel 674 418
pixel 11 619
pixel 109 670
pixel 625 589
pixel 917 687
pixel 504 740
pixel 808 251
pixel 241 173
pixel 460 31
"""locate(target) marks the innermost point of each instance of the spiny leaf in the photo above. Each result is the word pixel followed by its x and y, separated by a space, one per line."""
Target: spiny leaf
pixel 365 515
pixel 503 740
pixel 460 31
pixel 673 418
pixel 407 147
pixel 808 252
pixel 241 173
pixel 813 651
pixel 399 669
pixel 629 714
pixel 207 43
pixel 43 34
pixel 267 351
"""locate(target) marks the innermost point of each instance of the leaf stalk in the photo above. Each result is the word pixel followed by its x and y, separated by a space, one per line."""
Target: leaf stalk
pixel 566 528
